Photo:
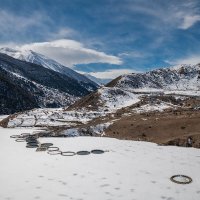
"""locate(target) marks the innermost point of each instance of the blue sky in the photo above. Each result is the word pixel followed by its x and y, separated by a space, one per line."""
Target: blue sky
pixel 105 37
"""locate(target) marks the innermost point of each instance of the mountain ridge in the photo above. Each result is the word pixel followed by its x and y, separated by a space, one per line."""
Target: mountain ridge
pixel 37 58
pixel 129 88
pixel 181 77
pixel 45 87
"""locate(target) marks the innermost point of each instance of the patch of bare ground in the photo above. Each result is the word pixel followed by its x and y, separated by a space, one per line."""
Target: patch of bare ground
pixel 4 122
pixel 90 101
pixel 167 128
pixel 113 82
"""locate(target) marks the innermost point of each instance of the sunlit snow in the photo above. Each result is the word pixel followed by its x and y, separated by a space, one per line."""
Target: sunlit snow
pixel 130 170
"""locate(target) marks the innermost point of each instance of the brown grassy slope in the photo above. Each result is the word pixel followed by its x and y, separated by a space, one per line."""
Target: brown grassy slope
pixel 163 128
pixel 113 82
pixel 91 100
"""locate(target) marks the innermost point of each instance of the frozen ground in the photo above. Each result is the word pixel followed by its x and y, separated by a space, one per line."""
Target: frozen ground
pixel 154 107
pixel 130 171
pixel 52 117
pixel 59 117
pixel 173 92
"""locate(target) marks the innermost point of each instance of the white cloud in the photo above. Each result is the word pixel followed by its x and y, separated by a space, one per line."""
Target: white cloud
pixel 193 59
pixel 188 21
pixel 71 52
pixel 134 54
pixel 64 32
pixel 112 73
pixel 10 23
pixel 168 14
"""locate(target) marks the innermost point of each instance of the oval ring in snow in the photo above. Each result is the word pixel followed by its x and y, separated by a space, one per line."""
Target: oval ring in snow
pixel 68 153
pixel 55 152
pixel 97 151
pixel 181 179
pixel 20 140
pixel 46 145
pixel 15 136
pixel 81 153
pixel 53 149
pixel 32 146
pixel 25 134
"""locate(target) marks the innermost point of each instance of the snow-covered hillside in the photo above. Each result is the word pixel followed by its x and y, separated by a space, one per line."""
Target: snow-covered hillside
pixel 129 170
pixel 33 57
pixel 106 99
pixel 178 78
pixel 127 89
pixel 116 98
pixel 25 85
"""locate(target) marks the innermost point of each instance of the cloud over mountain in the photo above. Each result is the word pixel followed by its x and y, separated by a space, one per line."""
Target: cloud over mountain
pixel 71 52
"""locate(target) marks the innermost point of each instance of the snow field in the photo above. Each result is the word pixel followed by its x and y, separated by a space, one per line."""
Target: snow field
pixel 129 171
pixel 154 107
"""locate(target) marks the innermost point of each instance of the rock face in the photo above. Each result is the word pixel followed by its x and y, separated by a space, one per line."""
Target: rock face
pixel 184 77
pixel 25 85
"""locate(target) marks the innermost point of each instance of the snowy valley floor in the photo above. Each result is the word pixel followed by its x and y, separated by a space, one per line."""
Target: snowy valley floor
pixel 129 171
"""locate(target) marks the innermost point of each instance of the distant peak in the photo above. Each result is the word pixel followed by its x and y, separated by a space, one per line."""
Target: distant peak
pixel 8 49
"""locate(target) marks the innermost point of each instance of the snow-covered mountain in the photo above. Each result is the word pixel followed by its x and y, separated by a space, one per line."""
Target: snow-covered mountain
pixel 128 89
pixel 24 85
pixel 36 58
pixel 178 78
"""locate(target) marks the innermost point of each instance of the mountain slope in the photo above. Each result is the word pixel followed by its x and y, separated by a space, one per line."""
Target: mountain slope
pixel 36 58
pixel 128 89
pixel 184 77
pixel 26 85
pixel 12 96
